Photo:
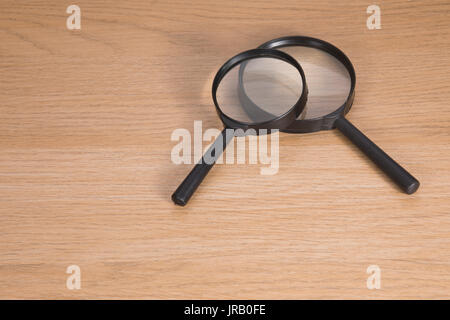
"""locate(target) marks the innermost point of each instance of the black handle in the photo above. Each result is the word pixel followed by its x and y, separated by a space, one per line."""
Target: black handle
pixel 187 188
pixel 397 173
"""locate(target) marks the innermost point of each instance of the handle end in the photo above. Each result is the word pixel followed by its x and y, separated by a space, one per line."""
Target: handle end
pixel 412 187
pixel 177 200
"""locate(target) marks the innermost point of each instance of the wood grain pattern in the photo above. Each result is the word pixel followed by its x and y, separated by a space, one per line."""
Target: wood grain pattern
pixel 86 177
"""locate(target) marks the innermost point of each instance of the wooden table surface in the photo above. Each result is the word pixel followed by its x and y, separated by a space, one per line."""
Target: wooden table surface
pixel 86 118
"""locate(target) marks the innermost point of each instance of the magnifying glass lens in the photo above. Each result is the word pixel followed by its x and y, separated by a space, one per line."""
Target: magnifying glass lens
pixel 328 80
pixel 273 84
pixel 271 78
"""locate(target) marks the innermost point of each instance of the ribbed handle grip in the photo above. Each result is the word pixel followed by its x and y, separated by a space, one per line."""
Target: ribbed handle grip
pixel 397 173
pixel 187 188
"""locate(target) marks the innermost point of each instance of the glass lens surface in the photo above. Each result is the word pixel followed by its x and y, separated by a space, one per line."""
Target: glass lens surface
pixel 272 87
pixel 328 80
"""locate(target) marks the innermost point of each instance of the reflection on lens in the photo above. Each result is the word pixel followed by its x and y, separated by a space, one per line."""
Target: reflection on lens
pixel 272 84
pixel 328 80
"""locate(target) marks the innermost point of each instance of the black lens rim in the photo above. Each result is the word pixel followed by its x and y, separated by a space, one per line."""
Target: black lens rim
pixel 325 122
pixel 280 122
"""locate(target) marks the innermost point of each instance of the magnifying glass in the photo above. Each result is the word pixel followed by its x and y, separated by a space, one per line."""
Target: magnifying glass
pixel 331 82
pixel 272 79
